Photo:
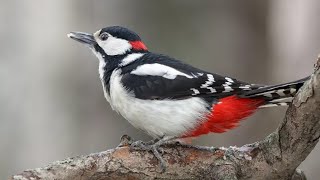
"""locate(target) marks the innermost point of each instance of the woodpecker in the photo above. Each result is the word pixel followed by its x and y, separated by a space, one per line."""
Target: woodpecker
pixel 169 99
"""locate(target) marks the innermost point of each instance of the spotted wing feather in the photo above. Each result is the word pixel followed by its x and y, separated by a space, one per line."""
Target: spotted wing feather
pixel 275 95
pixel 192 83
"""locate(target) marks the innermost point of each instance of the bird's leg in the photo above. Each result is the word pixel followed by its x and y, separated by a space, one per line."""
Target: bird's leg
pixel 153 141
pixel 154 147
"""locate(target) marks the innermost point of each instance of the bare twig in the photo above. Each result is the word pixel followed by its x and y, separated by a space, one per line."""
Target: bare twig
pixel 275 157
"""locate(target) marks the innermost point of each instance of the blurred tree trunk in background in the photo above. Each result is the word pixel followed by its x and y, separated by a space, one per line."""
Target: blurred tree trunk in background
pixel 295 41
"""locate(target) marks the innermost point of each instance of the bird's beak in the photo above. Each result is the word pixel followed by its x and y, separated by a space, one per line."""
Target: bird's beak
pixel 84 38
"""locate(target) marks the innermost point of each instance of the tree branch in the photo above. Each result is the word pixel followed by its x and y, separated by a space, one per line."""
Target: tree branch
pixel 275 157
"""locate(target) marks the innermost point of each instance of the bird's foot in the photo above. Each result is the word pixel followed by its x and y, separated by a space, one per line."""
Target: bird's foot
pixel 125 140
pixel 154 147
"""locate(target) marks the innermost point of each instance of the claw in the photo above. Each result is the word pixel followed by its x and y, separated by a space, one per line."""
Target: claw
pixel 125 140
pixel 156 153
pixel 160 150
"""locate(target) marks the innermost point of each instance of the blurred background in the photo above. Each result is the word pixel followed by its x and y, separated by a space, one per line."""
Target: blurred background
pixel 52 104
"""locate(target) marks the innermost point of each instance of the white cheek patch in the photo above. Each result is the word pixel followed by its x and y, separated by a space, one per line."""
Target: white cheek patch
pixel 159 70
pixel 114 46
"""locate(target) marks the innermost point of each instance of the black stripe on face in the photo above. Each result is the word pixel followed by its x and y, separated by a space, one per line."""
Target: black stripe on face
pixel 99 49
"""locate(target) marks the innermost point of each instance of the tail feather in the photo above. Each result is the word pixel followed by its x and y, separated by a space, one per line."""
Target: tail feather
pixel 230 110
pixel 267 105
pixel 276 95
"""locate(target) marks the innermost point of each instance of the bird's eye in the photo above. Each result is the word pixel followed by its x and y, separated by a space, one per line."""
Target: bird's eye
pixel 104 36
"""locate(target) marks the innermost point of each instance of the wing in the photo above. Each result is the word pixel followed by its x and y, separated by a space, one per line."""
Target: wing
pixel 166 78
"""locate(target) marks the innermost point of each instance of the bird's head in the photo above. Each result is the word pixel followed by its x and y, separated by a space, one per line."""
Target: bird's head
pixel 111 41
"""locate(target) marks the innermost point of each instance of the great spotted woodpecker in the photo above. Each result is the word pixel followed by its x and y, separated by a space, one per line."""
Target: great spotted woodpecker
pixel 168 98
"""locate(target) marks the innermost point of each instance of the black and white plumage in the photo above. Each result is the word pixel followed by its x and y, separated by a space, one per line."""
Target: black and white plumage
pixel 155 76
pixel 166 97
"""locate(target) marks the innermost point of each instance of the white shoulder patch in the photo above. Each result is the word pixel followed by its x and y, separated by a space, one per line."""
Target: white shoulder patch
pixel 130 58
pixel 114 46
pixel 159 70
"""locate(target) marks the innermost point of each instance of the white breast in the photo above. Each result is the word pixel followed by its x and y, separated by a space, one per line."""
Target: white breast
pixel 156 117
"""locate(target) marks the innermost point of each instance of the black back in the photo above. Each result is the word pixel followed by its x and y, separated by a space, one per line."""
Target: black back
pixel 157 87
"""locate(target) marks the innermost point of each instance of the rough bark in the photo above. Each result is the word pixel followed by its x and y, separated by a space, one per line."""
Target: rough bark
pixel 275 157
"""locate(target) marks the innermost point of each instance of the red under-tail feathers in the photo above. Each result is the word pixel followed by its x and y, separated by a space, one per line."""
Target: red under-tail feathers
pixel 226 115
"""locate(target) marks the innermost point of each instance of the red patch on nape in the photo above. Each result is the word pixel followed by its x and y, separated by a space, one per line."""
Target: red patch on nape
pixel 138 45
pixel 227 114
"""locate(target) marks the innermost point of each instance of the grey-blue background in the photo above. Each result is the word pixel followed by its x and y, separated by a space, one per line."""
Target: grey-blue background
pixel 51 99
